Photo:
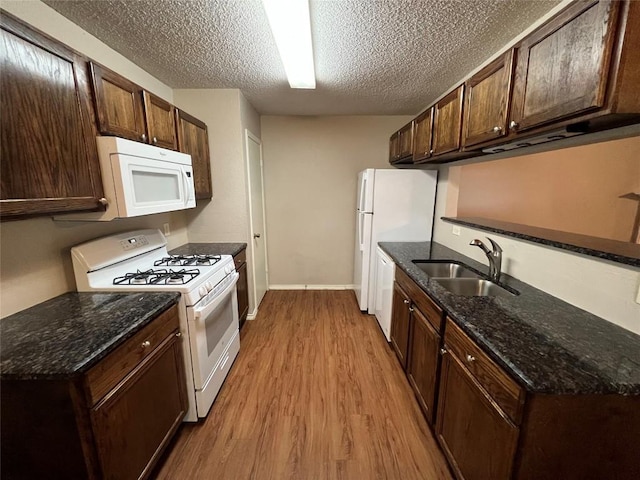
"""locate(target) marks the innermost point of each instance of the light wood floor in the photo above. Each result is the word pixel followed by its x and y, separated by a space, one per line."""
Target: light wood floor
pixel 315 393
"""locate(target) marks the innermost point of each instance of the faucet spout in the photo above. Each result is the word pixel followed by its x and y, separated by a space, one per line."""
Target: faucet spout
pixel 494 256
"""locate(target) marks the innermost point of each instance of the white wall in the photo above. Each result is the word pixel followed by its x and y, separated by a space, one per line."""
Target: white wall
pixel 226 217
pixel 310 169
pixel 603 288
pixel 34 254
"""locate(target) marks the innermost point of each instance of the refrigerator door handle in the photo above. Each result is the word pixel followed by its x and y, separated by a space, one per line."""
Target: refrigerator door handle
pixel 363 189
pixel 360 230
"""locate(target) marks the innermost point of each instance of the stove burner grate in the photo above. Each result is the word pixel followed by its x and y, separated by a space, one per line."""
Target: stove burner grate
pixel 157 277
pixel 186 260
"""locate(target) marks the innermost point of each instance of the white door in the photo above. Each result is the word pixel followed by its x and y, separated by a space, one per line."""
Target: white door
pixel 256 212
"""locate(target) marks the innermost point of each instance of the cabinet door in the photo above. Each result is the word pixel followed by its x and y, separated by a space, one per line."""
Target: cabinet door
pixel 118 105
pixel 477 438
pixel 49 157
pixel 400 320
pixel 422 136
pixel 193 139
pixel 423 362
pixel 487 97
pixel 447 122
pixel 394 147
pixel 161 125
pixel 562 69
pixel 243 293
pixel 405 141
pixel 135 421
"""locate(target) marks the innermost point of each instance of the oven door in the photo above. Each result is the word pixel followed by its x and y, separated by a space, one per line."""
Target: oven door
pixel 211 328
pixel 147 185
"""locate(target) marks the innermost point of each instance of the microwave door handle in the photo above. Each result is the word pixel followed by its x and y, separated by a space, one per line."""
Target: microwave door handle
pixel 185 185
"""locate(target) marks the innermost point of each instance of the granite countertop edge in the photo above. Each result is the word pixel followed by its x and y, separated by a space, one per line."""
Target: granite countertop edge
pixel 212 248
pixel 540 356
pixel 53 368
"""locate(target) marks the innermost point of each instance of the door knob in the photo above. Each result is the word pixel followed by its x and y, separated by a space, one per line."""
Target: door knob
pixel 256 235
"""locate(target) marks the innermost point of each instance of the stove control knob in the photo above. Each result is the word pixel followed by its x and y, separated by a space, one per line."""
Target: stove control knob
pixel 209 286
pixel 202 291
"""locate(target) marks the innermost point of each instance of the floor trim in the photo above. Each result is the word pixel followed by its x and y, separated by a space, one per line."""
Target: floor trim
pixel 311 287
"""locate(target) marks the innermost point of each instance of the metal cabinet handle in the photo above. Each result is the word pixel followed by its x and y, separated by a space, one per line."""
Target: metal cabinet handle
pixel 431 152
pixel 443 351
pixel 406 302
pixel 470 358
pixel 411 309
pixel 146 344
pixel 155 140
pixel 179 334
pixel 513 125
pixel 497 129
pixel 103 201
pixel 256 235
pixel 143 137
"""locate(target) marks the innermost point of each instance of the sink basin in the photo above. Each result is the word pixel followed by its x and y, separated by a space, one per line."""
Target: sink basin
pixel 474 287
pixel 445 270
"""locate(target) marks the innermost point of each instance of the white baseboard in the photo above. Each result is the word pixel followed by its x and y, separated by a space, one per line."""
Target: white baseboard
pixel 311 287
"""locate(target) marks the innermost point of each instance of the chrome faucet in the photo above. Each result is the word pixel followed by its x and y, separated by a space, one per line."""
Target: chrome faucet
pixel 495 257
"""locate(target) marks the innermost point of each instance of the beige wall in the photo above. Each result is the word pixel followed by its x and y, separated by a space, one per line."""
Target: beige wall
pixel 572 190
pixel 310 169
pixel 34 254
pixel 226 217
pixel 604 288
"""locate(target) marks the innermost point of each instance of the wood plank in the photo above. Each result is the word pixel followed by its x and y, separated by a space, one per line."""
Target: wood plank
pixel 316 392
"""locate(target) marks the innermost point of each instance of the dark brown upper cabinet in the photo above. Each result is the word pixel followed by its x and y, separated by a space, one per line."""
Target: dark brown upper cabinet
pixel 564 69
pixel 49 160
pixel 118 105
pixel 126 110
pixel 447 122
pixel 486 107
pixel 160 116
pixel 393 147
pixel 405 141
pixel 423 125
pixel 193 139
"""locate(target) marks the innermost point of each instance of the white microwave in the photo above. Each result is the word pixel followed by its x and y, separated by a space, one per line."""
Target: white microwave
pixel 140 179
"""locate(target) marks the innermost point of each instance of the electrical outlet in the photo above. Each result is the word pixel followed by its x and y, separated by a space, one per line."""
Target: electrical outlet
pixel 167 229
pixel 456 230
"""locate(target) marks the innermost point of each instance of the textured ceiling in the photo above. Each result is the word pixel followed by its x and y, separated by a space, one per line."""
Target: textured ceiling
pixel 372 57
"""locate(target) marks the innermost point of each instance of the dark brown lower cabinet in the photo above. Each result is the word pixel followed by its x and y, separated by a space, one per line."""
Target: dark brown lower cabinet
pixel 423 363
pixel 477 438
pixel 112 422
pixel 400 322
pixel 242 287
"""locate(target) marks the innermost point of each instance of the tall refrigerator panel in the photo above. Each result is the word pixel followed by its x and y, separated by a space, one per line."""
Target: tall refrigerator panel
pixel 402 204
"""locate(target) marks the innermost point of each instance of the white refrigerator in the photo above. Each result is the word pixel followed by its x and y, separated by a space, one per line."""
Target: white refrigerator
pixel 392 206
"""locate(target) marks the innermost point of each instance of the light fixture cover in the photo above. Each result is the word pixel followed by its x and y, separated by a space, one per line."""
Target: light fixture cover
pixel 291 27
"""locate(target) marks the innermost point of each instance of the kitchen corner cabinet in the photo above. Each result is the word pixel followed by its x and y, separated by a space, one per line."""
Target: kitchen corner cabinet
pixel 242 287
pixel 126 110
pixel 114 421
pixel 49 160
pixel 193 138
pixel 487 98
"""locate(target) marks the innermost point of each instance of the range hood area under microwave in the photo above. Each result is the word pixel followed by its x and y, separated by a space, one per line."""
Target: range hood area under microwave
pixel 140 179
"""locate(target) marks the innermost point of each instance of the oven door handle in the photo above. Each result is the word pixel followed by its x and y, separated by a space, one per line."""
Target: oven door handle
pixel 205 311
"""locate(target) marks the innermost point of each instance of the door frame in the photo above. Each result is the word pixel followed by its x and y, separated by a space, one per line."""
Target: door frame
pixel 250 136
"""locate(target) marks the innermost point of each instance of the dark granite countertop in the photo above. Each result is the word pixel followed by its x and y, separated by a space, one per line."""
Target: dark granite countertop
pixel 209 249
pixel 67 335
pixel 548 345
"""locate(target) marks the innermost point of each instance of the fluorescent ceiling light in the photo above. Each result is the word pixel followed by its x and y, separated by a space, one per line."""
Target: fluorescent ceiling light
pixel 291 27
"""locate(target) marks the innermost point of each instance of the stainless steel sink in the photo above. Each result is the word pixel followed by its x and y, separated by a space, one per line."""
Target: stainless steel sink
pixel 445 270
pixel 473 287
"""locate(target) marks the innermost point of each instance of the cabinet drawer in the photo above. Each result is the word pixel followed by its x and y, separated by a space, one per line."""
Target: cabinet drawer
pixel 106 374
pixel 240 258
pixel 429 309
pixel 502 388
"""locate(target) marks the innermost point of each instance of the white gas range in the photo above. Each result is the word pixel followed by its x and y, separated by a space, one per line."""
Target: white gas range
pixel 139 261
